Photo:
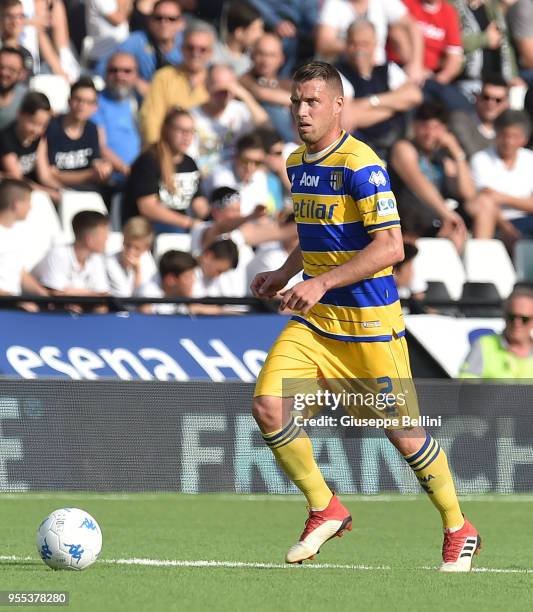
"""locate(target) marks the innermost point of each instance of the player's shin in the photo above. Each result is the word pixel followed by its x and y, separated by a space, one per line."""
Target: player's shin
pixel 294 453
pixel 430 466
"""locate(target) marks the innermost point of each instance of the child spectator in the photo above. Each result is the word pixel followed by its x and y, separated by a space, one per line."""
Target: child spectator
pixel 23 148
pixel 79 268
pixel 74 144
pixel 215 275
pixel 132 269
pixel 241 27
pixel 164 183
pixel 15 206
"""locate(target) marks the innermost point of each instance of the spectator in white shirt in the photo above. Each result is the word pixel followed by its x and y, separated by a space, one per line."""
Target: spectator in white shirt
pixel 79 269
pixel 14 207
pixel 230 112
pixel 107 24
pixel 132 269
pixel 504 179
pixel 246 173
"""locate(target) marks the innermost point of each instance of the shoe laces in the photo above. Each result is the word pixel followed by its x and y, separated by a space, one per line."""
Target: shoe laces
pixel 452 546
pixel 314 520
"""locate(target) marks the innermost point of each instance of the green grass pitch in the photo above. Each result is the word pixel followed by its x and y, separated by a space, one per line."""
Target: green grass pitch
pixel 383 564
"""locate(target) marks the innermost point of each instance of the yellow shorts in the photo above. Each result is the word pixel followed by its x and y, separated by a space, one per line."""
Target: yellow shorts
pixel 300 360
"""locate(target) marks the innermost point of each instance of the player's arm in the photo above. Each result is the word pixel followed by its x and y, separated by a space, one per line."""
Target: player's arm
pixel 267 284
pixel 385 250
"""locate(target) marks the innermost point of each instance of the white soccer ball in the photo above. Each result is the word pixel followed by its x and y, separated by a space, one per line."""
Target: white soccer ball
pixel 69 538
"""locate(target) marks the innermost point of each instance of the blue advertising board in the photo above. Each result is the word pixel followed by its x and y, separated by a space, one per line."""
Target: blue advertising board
pixel 135 346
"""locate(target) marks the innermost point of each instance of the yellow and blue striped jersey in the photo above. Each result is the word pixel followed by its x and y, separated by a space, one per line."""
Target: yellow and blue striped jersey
pixel 339 201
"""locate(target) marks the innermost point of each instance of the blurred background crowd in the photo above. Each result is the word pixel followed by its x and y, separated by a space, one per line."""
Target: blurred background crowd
pixel 143 143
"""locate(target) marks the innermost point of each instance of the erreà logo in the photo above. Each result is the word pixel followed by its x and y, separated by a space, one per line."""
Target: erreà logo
pixel 377 178
pixel 309 180
pixel 336 180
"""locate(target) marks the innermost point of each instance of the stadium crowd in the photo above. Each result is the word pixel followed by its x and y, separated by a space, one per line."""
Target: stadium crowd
pixel 143 144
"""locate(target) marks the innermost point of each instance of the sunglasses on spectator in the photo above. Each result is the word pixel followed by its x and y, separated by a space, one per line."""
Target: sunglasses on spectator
pixel 116 69
pixel 488 98
pixel 198 48
pixel 251 162
pixel 512 317
pixel 170 18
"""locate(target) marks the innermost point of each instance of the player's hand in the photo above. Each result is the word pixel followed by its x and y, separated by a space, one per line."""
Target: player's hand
pixel 267 284
pixel 303 296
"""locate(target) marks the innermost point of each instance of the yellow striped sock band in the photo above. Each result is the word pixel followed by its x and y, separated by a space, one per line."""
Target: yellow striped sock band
pixel 277 439
pixel 427 454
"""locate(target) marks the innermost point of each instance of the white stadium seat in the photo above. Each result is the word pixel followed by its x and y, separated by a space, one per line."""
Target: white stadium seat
pixel 55 88
pixel 171 242
pixel 437 260
pixel 43 228
pixel 487 261
pixel 114 243
pixel 73 202
pixel 523 260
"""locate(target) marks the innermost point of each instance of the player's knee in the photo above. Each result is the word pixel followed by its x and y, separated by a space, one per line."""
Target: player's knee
pixel 267 412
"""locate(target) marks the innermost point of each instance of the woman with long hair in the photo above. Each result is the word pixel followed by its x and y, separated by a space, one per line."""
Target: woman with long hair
pixel 164 184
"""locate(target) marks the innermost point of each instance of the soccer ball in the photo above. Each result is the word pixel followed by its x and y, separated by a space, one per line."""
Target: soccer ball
pixel 69 538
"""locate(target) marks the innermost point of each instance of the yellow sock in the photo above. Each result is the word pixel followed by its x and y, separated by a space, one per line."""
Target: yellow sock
pixel 294 453
pixel 430 466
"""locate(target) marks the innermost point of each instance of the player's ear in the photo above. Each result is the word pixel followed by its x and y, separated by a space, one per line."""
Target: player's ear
pixel 338 105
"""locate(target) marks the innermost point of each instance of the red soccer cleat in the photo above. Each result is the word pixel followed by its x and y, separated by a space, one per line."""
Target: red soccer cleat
pixel 459 548
pixel 321 526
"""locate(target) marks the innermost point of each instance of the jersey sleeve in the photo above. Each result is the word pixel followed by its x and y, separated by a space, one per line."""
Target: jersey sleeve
pixel 371 190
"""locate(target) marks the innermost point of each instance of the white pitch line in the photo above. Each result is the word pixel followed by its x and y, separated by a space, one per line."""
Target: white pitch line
pixel 283 566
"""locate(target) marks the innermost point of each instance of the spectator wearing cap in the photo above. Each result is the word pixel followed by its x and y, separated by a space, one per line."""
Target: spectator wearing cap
pixel 475 131
pixel 504 180
pixel 116 116
pixel 380 94
pixel 12 86
pixel 246 173
pixel 509 354
pixel 230 112
pixel 164 183
pixel 242 27
pixel 156 45
pixel 183 85
pixel 266 85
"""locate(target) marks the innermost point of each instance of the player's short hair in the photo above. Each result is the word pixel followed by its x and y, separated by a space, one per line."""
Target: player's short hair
pixel 224 249
pixel 431 110
pixel 240 14
pixel 322 71
pixel 12 190
pixel 251 140
pixel 138 228
pixel 513 118
pixel 87 220
pixel 224 196
pixel 33 102
pixel 84 82
pixel 176 263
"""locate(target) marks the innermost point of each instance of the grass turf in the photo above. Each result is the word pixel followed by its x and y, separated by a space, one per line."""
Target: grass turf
pixel 402 535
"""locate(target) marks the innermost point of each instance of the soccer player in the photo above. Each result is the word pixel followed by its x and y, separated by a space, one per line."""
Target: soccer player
pixel 348 322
